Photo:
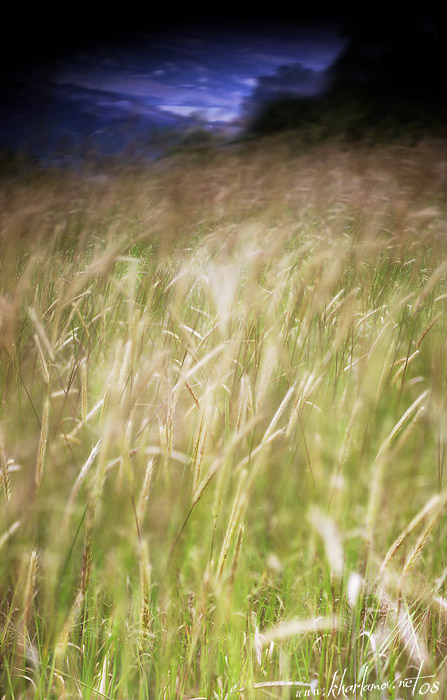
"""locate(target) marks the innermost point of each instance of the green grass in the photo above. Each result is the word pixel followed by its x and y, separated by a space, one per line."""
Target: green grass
pixel 223 426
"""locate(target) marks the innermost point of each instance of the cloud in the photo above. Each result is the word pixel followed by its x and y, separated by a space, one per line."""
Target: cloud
pixel 208 114
pixel 213 70
pixel 288 81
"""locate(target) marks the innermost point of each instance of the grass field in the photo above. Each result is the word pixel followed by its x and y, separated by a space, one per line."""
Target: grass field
pixel 224 425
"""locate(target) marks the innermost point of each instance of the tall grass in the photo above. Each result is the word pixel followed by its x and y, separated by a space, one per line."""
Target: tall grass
pixel 223 425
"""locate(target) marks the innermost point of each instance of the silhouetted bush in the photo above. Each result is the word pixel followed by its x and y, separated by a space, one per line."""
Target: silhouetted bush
pixel 387 83
pixel 350 115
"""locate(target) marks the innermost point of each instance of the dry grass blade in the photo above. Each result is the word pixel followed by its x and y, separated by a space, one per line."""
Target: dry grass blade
pixel 405 628
pixel 412 642
pixel 4 471
pixel 99 691
pixel 379 464
pixel 376 341
pixel 63 641
pixel 427 330
pixel 326 528
pixel 307 386
pixel 82 322
pixel 250 457
pixel 145 585
pixel 237 551
pixel 434 502
pixel 234 521
pixel 72 435
pixel 347 439
pixel 82 474
pixel 84 390
pixel 41 333
pixel 30 589
pixel 354 588
pixel 43 362
pixel 294 627
pixel 280 410
pixel 28 653
pixel 9 532
pixel 198 365
pixel 406 416
pixel 430 285
pixel 166 429
pixel 194 397
pixel 405 362
pixel 198 451
pixel 145 491
pixel 87 554
pixel 42 442
pixel 245 403
pixel 212 471
pixel 424 537
pixel 440 604
pixel 215 466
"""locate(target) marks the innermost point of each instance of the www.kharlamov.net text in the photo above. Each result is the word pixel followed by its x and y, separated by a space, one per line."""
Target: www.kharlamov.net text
pixel 419 685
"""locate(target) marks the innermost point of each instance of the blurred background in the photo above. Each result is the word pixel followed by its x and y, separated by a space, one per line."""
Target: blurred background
pixel 141 86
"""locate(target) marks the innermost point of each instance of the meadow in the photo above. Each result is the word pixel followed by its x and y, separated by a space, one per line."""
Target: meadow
pixel 223 426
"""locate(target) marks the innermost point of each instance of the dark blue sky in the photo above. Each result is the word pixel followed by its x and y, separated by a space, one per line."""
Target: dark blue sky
pixel 203 68
pixel 84 77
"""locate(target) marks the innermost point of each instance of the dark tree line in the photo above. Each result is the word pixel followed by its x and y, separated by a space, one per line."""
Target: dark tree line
pixel 388 80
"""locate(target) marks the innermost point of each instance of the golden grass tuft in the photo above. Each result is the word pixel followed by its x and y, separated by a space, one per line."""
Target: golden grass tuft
pixel 223 410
